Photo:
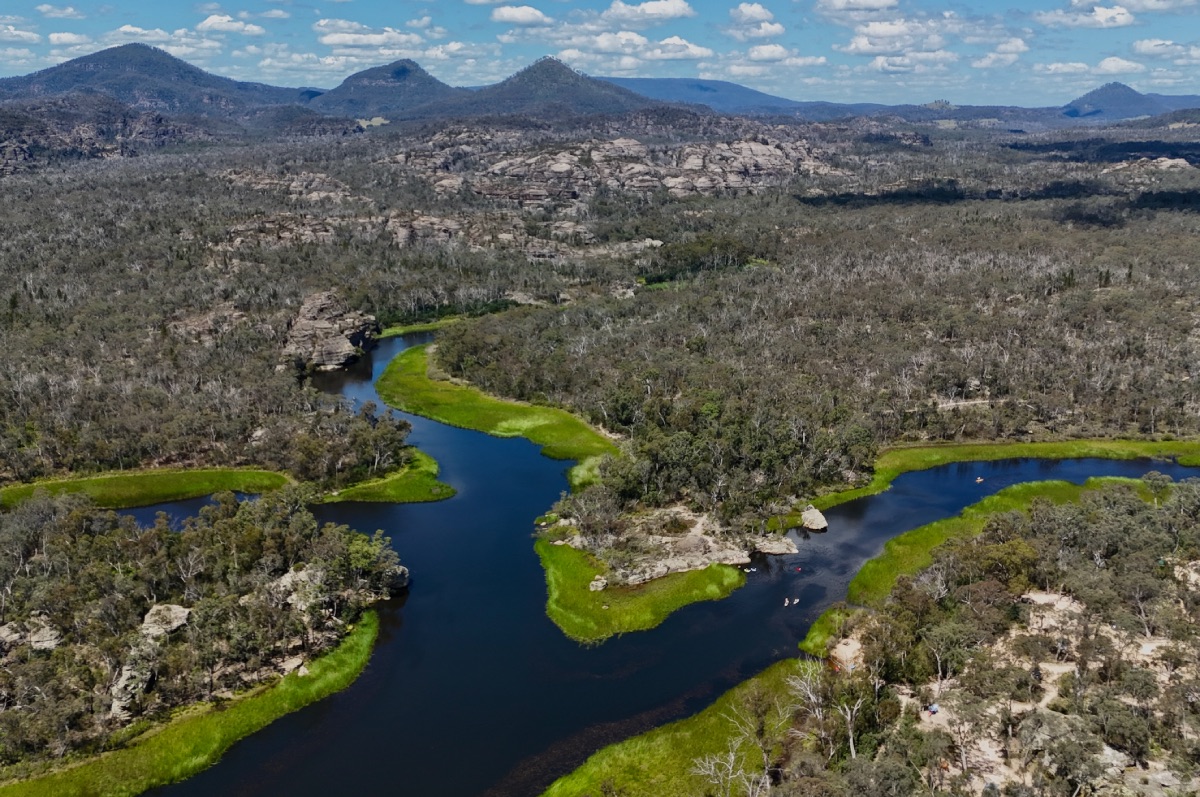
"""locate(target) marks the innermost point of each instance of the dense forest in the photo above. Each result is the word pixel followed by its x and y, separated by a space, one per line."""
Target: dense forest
pixel 1058 649
pixel 104 621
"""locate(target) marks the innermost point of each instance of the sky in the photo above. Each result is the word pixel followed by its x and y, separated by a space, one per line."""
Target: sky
pixel 1040 52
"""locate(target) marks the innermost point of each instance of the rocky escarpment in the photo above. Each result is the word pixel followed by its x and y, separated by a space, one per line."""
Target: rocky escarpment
pixel 325 335
pixel 528 174
pixel 674 540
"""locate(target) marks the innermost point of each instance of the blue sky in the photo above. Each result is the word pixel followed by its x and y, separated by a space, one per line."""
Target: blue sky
pixel 1042 52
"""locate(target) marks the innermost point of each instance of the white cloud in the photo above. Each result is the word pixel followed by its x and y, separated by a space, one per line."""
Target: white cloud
pixel 768 52
pixel 856 5
pixel 419 23
pixel 1064 68
pixel 994 60
pixel 675 48
pixel 625 41
pixel 1158 5
pixel 11 33
pixel 223 23
pixel 520 15
pixel 1117 66
pixel 347 33
pixel 920 61
pixel 1097 17
pixel 275 13
pixel 651 11
pixel 58 12
pixel 181 43
pixel 68 39
pixel 1012 46
pixel 749 13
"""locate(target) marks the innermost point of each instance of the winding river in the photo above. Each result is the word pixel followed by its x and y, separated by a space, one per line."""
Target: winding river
pixel 471 690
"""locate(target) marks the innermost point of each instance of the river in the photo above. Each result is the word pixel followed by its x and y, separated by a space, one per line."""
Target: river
pixel 471 690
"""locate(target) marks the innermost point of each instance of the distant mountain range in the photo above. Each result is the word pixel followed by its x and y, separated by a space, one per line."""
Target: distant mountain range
pixel 146 79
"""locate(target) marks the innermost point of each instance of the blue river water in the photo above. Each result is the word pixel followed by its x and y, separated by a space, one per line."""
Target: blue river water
pixel 473 691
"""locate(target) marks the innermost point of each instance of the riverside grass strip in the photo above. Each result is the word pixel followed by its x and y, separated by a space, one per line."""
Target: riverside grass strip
pixel 416 483
pixel 896 461
pixel 125 489
pixel 588 616
pixel 406 385
pixel 198 737
pixel 659 763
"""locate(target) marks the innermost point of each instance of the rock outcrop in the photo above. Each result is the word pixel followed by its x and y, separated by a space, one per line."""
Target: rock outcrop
pixel 326 336
pixel 812 519
pixel 162 619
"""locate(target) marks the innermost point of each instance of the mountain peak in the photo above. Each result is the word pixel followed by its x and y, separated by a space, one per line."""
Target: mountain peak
pixel 1113 101
pixel 386 90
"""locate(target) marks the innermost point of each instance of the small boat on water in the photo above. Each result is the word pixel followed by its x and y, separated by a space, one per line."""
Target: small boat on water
pixel 979 480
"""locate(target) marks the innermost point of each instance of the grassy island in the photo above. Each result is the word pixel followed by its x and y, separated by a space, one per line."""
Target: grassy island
pixel 417 482
pixel 589 616
pixel 124 489
pixel 198 737
pixel 406 385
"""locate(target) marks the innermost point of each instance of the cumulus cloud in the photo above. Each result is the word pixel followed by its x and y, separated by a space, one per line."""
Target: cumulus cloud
pixel 856 5
pixel 675 48
pixel 11 33
pixel 1064 68
pixel 520 15
pixel 753 21
pixel 68 39
pixel 920 61
pixel 749 13
pixel 1096 17
pixel 58 12
pixel 652 11
pixel 1118 66
pixel 347 33
pixel 1158 5
pixel 1180 54
pixel 1003 54
pixel 223 23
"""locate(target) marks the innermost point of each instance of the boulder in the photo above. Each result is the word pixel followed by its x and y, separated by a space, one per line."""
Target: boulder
pixel 327 336
pixel 399 578
pixel 812 519
pixel 775 544
pixel 43 636
pixel 598 583
pixel 162 619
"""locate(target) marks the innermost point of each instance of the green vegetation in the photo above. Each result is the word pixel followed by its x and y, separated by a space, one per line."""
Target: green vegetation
pixel 416 482
pixel 896 461
pixel 912 551
pixel 595 616
pixel 197 739
pixel 125 489
pixel 664 761
pixel 406 385
pixel 424 326
pixel 659 763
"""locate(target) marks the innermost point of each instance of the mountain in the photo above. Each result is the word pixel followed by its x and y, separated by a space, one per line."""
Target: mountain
pixel 720 95
pixel 387 91
pixel 148 79
pixel 1113 101
pixel 1177 102
pixel 548 89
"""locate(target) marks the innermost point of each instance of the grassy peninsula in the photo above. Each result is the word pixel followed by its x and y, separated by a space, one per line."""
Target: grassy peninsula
pixel 417 482
pixel 589 616
pixel 200 735
pixel 124 489
pixel 406 385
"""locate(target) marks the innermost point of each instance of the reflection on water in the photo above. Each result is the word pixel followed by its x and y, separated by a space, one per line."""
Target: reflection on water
pixel 471 689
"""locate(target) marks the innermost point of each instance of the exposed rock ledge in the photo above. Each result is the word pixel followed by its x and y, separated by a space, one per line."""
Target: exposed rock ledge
pixel 812 519
pixel 698 543
pixel 325 335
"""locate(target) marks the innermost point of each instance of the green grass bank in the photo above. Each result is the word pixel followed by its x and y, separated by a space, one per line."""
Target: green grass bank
pixel 589 616
pixel 198 738
pixel 416 483
pixel 406 385
pixel 658 763
pixel 124 489
pixel 896 461
pixel 424 326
